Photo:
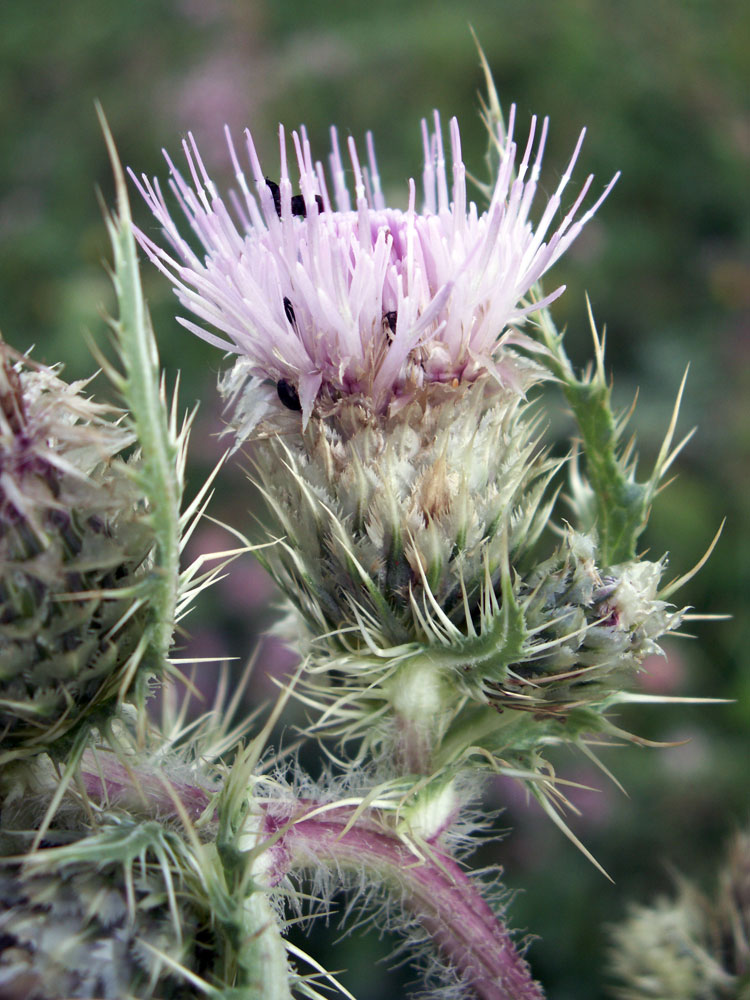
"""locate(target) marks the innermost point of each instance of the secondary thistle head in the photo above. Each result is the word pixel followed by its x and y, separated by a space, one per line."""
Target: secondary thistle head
pixel 108 908
pixel 72 545
pixel 87 927
pixel 149 879
pixel 691 946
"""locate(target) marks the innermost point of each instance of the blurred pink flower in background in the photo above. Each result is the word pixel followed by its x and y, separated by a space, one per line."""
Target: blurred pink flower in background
pixel 663 674
pixel 246 595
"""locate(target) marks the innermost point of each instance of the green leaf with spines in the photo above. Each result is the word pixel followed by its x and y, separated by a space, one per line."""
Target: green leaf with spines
pixel 142 389
pixel 621 504
pixel 501 642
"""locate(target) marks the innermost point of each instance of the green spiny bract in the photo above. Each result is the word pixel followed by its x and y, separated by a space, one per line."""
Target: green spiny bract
pixel 383 518
pixel 408 544
pixel 74 546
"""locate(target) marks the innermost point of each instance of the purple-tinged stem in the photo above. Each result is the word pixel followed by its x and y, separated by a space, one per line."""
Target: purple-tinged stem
pixel 439 893
pixel 108 780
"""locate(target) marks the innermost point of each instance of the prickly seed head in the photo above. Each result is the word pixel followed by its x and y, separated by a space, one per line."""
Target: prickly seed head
pixel 73 543
pixel 386 515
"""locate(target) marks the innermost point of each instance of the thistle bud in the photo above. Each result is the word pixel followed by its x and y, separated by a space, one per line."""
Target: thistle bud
pixel 660 953
pixel 589 628
pixel 98 927
pixel 73 546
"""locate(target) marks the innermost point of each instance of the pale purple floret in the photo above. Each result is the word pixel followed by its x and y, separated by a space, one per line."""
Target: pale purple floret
pixel 366 300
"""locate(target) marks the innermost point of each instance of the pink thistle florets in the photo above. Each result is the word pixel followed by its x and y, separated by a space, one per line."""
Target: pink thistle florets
pixel 325 298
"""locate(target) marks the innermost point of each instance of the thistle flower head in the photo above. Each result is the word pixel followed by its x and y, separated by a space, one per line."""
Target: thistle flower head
pixel 328 296
pixel 414 470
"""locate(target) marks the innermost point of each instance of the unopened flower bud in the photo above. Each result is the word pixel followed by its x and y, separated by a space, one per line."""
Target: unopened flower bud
pixel 73 545
pixel 100 926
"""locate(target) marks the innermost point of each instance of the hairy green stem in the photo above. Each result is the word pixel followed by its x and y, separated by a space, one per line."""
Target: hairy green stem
pixel 264 961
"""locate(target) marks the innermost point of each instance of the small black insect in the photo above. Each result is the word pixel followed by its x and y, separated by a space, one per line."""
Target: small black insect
pixel 274 188
pixel 288 395
pixel 298 202
pixel 289 311
pixel 389 324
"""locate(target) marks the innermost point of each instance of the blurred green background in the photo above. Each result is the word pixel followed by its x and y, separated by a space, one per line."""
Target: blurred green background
pixel 664 88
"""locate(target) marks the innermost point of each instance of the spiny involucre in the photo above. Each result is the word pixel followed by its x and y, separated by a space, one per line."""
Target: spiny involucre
pixel 78 924
pixel 383 377
pixel 74 547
